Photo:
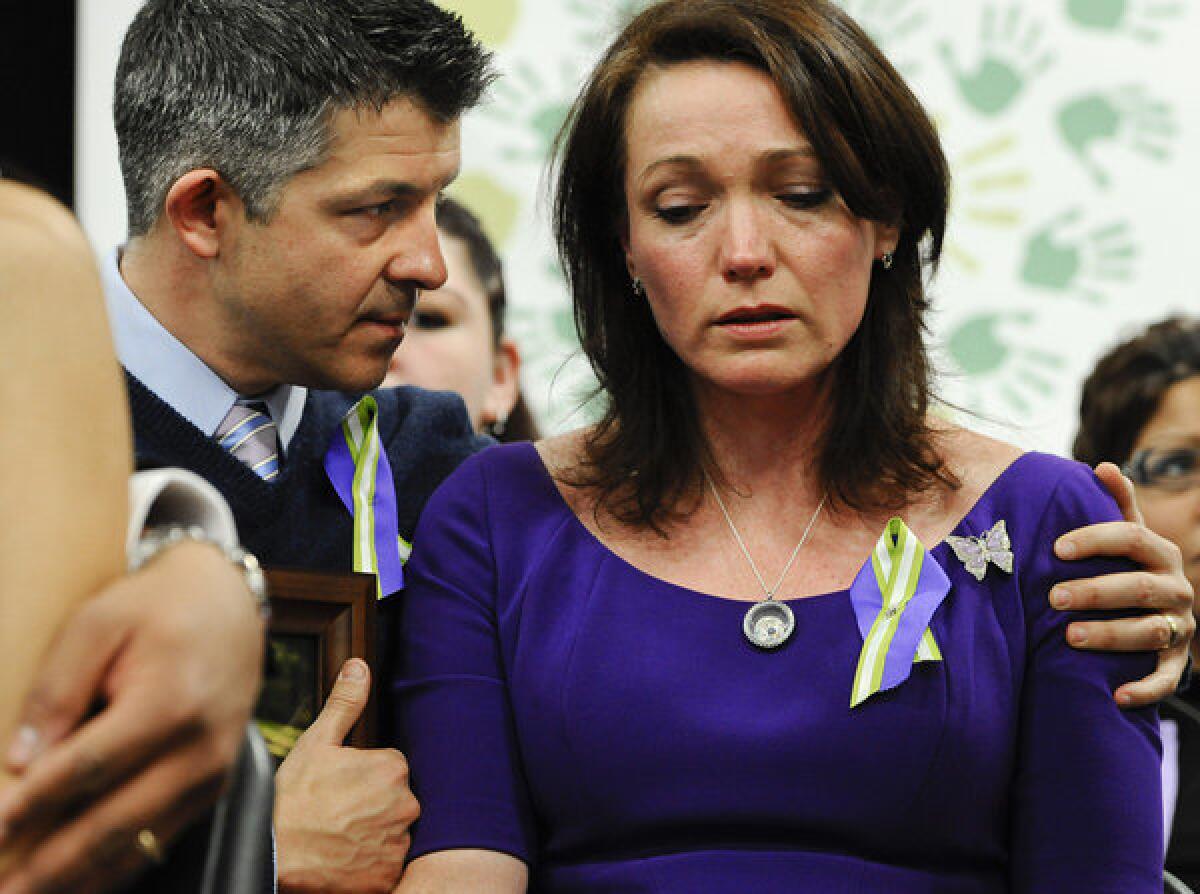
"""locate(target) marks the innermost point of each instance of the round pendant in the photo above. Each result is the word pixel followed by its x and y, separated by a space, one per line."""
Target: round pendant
pixel 768 624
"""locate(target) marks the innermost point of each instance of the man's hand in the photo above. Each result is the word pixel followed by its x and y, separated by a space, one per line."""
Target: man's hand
pixel 173 655
pixel 342 814
pixel 1160 586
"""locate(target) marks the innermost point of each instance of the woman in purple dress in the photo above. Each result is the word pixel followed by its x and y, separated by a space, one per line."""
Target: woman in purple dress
pixel 768 625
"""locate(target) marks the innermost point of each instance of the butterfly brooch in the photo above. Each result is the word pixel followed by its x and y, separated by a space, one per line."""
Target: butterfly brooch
pixel 991 546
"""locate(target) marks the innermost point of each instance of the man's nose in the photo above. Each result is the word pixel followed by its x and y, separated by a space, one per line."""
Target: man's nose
pixel 416 255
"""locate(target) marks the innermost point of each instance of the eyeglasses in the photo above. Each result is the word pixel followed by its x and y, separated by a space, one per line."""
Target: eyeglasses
pixel 1174 469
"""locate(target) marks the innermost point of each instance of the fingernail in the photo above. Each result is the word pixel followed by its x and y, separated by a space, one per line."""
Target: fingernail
pixel 1065 548
pixel 354 670
pixel 1124 699
pixel 1060 597
pixel 24 747
pixel 1077 636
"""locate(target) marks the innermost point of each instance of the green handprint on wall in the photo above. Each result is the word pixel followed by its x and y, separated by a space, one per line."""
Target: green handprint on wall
pixel 1011 57
pixel 523 98
pixel 990 182
pixel 601 19
pixel 998 367
pixel 1068 257
pixel 1142 19
pixel 890 22
pixel 1126 116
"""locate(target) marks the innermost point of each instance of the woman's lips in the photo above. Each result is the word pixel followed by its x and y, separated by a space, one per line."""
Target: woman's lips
pixel 760 321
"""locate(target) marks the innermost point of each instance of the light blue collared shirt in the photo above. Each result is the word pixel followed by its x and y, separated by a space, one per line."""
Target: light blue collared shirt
pixel 182 380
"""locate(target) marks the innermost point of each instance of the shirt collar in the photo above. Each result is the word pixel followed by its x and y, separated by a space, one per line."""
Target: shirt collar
pixel 168 367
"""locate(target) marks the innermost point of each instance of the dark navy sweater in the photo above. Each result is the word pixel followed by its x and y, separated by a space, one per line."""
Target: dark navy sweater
pixel 297 520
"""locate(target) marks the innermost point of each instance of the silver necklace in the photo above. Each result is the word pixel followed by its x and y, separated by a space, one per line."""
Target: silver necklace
pixel 768 623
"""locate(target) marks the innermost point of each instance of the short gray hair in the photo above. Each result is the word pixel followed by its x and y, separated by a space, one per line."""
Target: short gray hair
pixel 247 87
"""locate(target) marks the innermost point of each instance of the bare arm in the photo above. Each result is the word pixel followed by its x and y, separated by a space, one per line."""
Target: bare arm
pixel 64 441
pixel 465 871
pixel 172 653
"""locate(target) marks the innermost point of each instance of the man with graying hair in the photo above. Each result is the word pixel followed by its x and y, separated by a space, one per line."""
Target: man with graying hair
pixel 283 160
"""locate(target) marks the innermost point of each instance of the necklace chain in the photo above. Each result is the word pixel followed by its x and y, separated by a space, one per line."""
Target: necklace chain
pixel 768 593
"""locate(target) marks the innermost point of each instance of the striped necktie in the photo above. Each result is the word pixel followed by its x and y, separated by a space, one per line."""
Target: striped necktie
pixel 250 435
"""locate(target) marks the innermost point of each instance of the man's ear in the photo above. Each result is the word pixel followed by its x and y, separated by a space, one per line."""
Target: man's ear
pixel 196 206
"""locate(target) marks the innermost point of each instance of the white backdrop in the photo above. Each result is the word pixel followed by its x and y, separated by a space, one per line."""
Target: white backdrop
pixel 1073 129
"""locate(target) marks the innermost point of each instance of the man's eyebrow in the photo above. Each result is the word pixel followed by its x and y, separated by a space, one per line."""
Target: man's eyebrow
pixel 379 191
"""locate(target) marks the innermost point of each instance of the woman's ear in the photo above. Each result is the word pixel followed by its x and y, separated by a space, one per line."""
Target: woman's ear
pixel 506 383
pixel 196 206
pixel 887 237
pixel 623 238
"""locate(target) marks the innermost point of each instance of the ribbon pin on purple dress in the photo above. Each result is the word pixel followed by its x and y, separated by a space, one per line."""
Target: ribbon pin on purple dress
pixel 894 596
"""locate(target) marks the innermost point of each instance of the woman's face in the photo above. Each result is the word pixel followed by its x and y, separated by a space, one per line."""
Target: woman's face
pixel 755 270
pixel 448 345
pixel 1173 509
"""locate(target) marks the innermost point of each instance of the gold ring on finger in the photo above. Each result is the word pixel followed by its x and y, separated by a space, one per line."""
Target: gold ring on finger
pixel 148 846
pixel 1173 639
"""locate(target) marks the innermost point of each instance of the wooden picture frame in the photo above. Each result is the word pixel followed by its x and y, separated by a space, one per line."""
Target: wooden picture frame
pixel 318 620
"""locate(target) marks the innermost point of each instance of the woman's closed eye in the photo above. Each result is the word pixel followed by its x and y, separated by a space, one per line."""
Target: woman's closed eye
pixel 679 214
pixel 805 199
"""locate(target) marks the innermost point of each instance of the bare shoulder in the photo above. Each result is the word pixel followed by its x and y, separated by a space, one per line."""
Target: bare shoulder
pixel 976 460
pixel 562 453
pixel 43 252
pixel 563 456
pixel 35 217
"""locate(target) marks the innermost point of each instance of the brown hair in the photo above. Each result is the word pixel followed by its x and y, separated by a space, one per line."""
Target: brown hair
pixel 457 220
pixel 881 154
pixel 1125 388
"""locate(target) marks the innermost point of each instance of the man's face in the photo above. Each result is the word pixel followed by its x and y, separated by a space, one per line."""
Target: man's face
pixel 320 295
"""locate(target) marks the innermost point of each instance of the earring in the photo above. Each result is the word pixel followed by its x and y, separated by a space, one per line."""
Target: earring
pixel 638 288
pixel 887 260
pixel 496 429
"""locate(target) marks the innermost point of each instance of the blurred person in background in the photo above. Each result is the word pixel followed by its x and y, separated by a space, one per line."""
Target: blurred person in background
pixel 456 340
pixel 1141 410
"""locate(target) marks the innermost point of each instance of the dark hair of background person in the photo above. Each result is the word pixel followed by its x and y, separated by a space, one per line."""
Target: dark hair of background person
pixel 247 87
pixel 1127 384
pixel 881 154
pixel 457 220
